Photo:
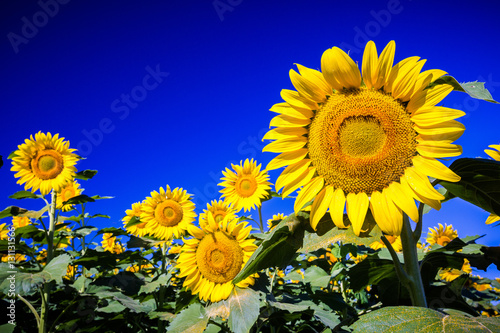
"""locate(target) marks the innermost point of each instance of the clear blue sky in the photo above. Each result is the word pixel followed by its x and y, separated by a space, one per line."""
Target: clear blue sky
pixel 171 92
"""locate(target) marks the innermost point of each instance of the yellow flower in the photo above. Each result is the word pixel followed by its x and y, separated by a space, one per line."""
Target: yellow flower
pixel 4 231
pixel 68 191
pixel 70 272
pixel 168 213
pixel 494 154
pixel 136 268
pixel 45 162
pixel 219 210
pixel 365 141
pixel 42 257
pixel 450 274
pixel 394 240
pixel 441 235
pixel 246 186
pixel 18 257
pixel 140 229
pixel 110 244
pixel 175 249
pixel 20 221
pixel 215 255
pixel 277 218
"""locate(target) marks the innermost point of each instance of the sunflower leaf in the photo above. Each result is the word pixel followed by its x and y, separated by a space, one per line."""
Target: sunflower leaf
pixel 418 319
pixel 12 211
pixel 79 199
pixel 371 271
pixel 244 306
pixel 479 183
pixel 85 174
pixel 473 89
pixel 133 221
pixel 193 319
pixel 25 195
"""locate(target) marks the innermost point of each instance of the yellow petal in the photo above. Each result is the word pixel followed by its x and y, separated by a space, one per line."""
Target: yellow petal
pixel 357 207
pixel 287 158
pixel 296 112
pixel 291 172
pixel 306 88
pixel 398 72
pixel 404 85
pixel 286 145
pixel 328 69
pixel 438 149
pixel 425 78
pixel 308 192
pixel 403 199
pixel 316 77
pixel 385 63
pixel 428 97
pixel 369 65
pixel 345 69
pixel 436 204
pixel 284 133
pixel 435 169
pixel 337 205
pixel 448 130
pixel 320 205
pixel 435 115
pixel 287 121
pixel 494 154
pixel 386 214
pixel 421 185
pixel 195 232
pixel 293 98
pixel 300 181
pixel 492 218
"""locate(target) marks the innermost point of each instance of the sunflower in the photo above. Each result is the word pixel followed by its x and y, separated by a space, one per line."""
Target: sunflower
pixel 441 235
pixel 246 186
pixel 4 231
pixel 109 243
pixel 394 240
pixel 450 274
pixel 364 142
pixel 140 229
pixel 494 154
pixel 168 213
pixel 18 257
pixel 215 255
pixel 68 191
pixel 45 162
pixel 273 222
pixel 20 221
pixel 219 210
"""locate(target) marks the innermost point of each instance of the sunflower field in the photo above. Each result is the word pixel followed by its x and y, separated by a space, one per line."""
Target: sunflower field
pixel 361 151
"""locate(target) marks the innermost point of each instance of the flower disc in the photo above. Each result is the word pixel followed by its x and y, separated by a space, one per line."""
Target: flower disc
pixel 68 191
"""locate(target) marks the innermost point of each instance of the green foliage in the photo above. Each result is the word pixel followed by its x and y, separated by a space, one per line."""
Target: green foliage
pixel 473 89
pixel 244 305
pixel 85 174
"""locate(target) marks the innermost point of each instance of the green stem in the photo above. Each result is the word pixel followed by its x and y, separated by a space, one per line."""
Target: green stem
pixel 402 276
pixel 42 328
pixel 31 308
pixel 161 298
pixel 412 268
pixel 261 225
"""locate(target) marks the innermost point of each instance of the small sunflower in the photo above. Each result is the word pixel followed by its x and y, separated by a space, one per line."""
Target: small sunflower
pixel 68 191
pixel 20 221
pixel 215 255
pixel 441 235
pixel 140 229
pixel 168 213
pixel 364 139
pixel 4 231
pixel 71 272
pixel 450 274
pixel 394 240
pixel 246 186
pixel 272 222
pixel 18 257
pixel 494 154
pixel 109 243
pixel 219 210
pixel 45 162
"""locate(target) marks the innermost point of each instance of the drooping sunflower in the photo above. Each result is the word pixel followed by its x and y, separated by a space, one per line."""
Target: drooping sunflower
pixel 215 255
pixel 494 154
pixel 68 191
pixel 246 186
pixel 168 213
pixel 140 229
pixel 45 162
pixel 272 222
pixel 219 210
pixel 441 235
pixel 20 221
pixel 364 140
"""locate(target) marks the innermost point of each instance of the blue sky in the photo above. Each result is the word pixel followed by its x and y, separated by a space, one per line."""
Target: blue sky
pixel 172 92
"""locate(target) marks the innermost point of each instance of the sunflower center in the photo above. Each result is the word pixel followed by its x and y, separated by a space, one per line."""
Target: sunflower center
pixel 361 140
pixel 219 257
pixel 47 164
pixel 246 186
pixel 168 213
pixel 219 216
pixel 67 194
pixel 443 240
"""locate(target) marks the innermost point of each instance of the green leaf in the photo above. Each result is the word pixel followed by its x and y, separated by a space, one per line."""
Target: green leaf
pixel 79 199
pixel 57 267
pixel 133 221
pixel 83 231
pixel 330 319
pixel 418 319
pixel 165 316
pixel 25 195
pixel 150 287
pixel 12 211
pixel 142 242
pixel 277 249
pixel 473 89
pixel 327 233
pixel 112 307
pixel 244 306
pixel 85 174
pixel 7 328
pixel 193 320
pixel 371 271
pixel 316 276
pixel 114 231
pixel 479 183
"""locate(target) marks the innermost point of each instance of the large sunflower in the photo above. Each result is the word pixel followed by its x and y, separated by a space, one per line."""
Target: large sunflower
pixel 68 191
pixel 168 213
pixel 246 186
pixel 494 154
pixel 215 255
pixel 45 162
pixel 362 142
pixel 139 229
pixel 219 210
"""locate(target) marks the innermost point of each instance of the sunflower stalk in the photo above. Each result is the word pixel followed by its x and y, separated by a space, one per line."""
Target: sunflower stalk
pixel 42 328
pixel 161 297
pixel 261 225
pixel 414 282
pixel 402 276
